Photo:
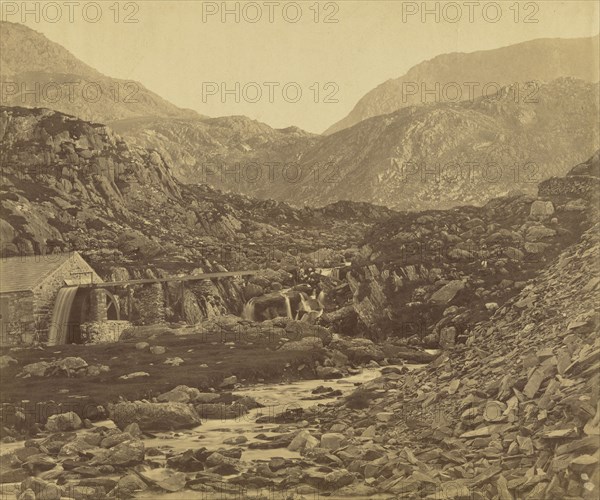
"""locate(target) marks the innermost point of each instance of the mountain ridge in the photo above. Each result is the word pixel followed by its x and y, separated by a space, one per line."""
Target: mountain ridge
pixel 61 81
pixel 550 58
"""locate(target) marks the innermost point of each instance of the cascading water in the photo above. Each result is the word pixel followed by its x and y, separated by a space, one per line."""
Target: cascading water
pixel 288 306
pixel 249 310
pixel 59 326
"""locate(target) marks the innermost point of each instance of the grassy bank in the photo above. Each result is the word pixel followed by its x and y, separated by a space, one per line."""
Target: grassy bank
pixel 205 365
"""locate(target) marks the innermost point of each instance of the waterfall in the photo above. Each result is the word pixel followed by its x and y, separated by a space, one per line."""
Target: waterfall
pixel 249 313
pixel 59 326
pixel 288 307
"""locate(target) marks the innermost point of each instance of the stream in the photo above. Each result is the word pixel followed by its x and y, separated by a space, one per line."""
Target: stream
pixel 276 398
pixel 211 434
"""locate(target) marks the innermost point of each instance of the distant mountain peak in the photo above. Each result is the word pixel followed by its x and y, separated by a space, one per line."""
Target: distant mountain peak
pixel 541 60
pixel 29 61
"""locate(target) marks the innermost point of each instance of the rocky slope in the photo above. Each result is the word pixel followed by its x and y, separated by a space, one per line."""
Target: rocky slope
pixel 429 277
pixel 513 412
pixel 428 156
pixel 29 62
pixel 70 184
pixel 232 153
pixel 443 155
pixel 537 60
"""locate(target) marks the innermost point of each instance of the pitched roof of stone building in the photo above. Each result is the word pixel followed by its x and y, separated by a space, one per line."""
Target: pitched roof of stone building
pixel 24 273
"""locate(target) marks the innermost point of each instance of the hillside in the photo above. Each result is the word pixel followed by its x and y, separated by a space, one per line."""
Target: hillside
pixel 31 62
pixel 232 153
pixel 68 184
pixel 540 60
pixel 428 156
pixel 444 155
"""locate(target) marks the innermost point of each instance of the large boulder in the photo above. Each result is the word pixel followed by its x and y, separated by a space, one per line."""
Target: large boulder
pixel 154 416
pixel 180 394
pixel 126 453
pixel 358 350
pixel 192 314
pixel 541 208
pixel 69 421
pixel 332 441
pixel 445 294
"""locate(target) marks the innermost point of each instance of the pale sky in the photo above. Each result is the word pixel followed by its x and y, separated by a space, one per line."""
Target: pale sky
pixel 174 52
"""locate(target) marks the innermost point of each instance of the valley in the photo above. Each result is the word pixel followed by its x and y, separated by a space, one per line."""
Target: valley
pixel 404 307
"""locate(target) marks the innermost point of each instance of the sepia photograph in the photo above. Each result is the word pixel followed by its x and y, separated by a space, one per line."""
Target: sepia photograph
pixel 300 250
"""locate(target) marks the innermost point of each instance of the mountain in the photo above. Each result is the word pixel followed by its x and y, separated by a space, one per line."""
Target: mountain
pixel 446 154
pixel 208 151
pixel 72 184
pixel 539 60
pixel 434 155
pixel 29 61
pixel 498 142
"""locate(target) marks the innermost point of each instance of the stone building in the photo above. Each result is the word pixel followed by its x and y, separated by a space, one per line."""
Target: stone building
pixel 40 298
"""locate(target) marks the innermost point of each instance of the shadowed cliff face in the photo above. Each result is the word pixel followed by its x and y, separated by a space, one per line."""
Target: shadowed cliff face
pixel 537 60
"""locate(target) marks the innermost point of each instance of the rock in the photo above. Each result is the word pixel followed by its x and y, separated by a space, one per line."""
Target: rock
pixel 541 208
pixel 38 369
pixel 229 382
pixel 69 421
pixel 332 441
pixel 6 361
pixel 445 294
pixel 192 314
pixel 142 346
pixel 303 440
pixel 338 479
pixel 133 430
pixel 165 479
pixel 539 232
pixel 180 394
pixel 71 364
pixel 130 484
pixel 206 397
pixel 41 489
pixel 306 344
pixel 157 349
pixel 447 337
pixel 28 494
pixel 358 350
pixel 39 462
pixel 173 361
pixel 384 416
pixel 154 416
pixel 328 372
pixel 127 453
pixel 134 375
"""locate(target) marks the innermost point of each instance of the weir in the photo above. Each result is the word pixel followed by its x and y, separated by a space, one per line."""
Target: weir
pixel 59 326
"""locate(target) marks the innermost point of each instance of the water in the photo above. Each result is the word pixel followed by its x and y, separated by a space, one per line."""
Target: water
pixel 277 398
pixel 60 315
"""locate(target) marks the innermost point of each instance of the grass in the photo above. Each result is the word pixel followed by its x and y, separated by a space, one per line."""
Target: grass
pixel 248 362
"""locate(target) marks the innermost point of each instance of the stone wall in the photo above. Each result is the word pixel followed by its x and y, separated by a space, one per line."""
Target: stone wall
pixel 148 306
pixel 97 311
pixel 104 332
pixel 18 321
